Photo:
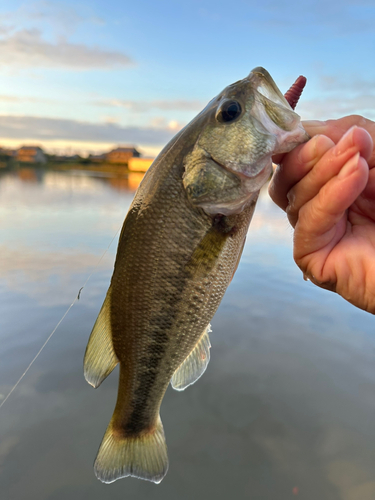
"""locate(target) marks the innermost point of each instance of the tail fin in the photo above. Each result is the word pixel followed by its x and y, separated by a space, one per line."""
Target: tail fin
pixel 144 456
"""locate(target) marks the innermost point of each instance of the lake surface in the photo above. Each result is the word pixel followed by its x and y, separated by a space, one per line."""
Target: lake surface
pixel 285 409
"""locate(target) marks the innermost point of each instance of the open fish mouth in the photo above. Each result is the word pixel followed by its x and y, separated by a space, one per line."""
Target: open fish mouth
pixel 243 175
pixel 265 86
pixel 250 122
pixel 251 183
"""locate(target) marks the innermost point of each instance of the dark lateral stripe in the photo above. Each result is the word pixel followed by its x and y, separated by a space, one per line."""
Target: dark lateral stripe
pixel 160 325
pixel 201 262
pixel 207 253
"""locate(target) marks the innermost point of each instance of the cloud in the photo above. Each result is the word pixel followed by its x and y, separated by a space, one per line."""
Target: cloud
pixel 160 130
pixel 39 128
pixel 5 30
pixel 342 83
pixel 143 106
pixel 62 17
pixel 50 11
pixel 336 106
pixel 16 99
pixel 27 48
pixel 42 41
pixel 339 95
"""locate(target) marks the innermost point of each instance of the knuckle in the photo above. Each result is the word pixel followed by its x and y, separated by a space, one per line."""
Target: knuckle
pixel 358 120
pixel 301 263
pixel 276 193
pixel 291 196
pixel 272 189
pixel 292 215
pixel 311 214
pixel 292 209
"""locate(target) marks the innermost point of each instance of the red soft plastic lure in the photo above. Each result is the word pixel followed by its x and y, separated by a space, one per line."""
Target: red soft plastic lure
pixel 295 91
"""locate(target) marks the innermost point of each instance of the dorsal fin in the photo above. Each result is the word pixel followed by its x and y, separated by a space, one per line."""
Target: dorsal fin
pixel 194 365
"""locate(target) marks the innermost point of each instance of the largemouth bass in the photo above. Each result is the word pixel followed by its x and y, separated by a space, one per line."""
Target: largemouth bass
pixel 178 250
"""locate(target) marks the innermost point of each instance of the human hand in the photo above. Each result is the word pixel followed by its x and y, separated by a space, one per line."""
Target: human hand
pixel 327 188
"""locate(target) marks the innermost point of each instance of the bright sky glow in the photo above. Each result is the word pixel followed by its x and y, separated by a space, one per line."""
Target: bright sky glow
pixel 89 75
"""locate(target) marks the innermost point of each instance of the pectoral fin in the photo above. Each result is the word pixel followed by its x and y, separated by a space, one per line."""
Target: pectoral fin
pixel 100 358
pixel 194 365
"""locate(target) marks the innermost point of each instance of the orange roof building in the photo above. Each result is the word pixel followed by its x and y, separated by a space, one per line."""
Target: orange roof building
pixel 121 155
pixel 31 154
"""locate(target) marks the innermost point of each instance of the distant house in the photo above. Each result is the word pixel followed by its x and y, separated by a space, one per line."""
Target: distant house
pixel 121 155
pixel 139 164
pixel 31 154
pixel 97 158
pixel 3 158
pixel 7 152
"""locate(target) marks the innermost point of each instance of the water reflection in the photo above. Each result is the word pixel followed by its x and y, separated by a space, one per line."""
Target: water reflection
pixel 28 175
pixel 129 183
pixel 77 179
pixel 284 410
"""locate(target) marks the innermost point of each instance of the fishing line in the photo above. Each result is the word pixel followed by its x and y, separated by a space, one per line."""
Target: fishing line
pixel 58 324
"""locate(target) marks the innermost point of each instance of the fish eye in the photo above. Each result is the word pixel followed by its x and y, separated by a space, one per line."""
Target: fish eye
pixel 228 111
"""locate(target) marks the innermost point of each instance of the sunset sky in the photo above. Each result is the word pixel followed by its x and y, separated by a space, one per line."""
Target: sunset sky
pixel 87 76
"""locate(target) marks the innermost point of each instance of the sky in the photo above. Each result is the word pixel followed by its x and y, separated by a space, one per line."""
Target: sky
pixel 89 76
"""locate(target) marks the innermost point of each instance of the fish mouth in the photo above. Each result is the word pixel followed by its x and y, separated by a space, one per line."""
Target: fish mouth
pixel 245 179
pixel 247 191
pixel 267 86
pixel 263 83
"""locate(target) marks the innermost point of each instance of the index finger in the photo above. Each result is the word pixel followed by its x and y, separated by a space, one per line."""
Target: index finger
pixel 295 165
pixel 335 129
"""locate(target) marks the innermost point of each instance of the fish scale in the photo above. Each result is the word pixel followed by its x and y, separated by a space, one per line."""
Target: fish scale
pixel 178 250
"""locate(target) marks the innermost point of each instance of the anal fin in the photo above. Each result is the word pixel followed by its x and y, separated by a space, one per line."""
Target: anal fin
pixel 194 365
pixel 100 358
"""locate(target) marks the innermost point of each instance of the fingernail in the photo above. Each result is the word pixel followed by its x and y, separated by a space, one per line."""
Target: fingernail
pixel 308 151
pixel 345 141
pixel 313 123
pixel 349 167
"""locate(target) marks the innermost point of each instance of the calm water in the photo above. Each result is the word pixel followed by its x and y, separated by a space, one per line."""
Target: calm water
pixel 285 410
